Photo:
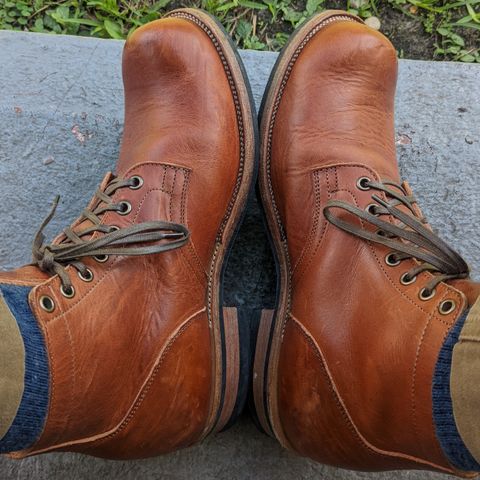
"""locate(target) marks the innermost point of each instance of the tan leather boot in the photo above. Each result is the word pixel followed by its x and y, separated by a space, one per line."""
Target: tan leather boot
pixel 353 368
pixel 140 355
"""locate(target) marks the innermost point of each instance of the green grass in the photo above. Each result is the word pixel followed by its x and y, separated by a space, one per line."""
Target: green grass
pixel 450 29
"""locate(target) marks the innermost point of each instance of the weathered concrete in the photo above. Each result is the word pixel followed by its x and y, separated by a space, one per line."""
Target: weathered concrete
pixel 61 108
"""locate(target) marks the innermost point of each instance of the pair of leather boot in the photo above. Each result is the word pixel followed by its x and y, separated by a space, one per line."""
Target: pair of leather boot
pixel 119 345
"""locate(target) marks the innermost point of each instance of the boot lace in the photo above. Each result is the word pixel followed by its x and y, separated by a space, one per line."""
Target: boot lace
pixel 409 238
pixel 142 239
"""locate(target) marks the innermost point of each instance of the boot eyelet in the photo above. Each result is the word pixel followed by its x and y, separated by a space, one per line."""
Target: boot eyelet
pixel 67 292
pixel 362 183
pixel 87 277
pixel 124 207
pixel 406 280
pixel 372 209
pixel 47 303
pixel 425 294
pixel 101 258
pixel 447 307
pixel 391 260
pixel 138 182
pixel 114 228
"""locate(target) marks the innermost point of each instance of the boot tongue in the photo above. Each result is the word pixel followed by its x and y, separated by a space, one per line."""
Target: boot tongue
pixel 416 208
pixel 83 223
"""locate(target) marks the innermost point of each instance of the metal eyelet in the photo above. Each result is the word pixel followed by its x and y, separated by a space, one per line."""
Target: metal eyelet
pixel 391 260
pixel 125 207
pixel 101 258
pixel 114 228
pixel 87 277
pixel 406 280
pixel 67 293
pixel 371 209
pixel 425 295
pixel 447 306
pixel 138 182
pixel 47 303
pixel 362 183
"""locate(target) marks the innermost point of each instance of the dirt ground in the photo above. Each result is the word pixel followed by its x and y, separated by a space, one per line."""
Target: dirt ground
pixel 407 33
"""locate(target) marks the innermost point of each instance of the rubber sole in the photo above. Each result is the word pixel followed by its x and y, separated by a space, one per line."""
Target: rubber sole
pixel 266 408
pixel 229 347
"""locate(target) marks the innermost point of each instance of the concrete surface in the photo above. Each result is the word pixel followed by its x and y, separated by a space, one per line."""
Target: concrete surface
pixel 61 107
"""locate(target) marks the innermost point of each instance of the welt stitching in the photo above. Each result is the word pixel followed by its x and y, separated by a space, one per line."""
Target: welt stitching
pixel 241 132
pixel 238 111
pixel 240 173
pixel 278 98
pixel 308 36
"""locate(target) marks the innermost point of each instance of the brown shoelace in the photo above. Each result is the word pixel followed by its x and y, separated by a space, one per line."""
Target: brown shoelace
pixel 132 240
pixel 409 238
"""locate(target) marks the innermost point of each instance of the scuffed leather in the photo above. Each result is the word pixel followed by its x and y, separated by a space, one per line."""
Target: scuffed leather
pixel 131 354
pixel 359 348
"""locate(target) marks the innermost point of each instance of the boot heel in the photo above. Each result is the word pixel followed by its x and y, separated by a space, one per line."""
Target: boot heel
pixel 238 358
pixel 261 324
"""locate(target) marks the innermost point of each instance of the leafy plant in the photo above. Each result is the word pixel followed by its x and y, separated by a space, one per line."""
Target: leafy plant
pixel 454 25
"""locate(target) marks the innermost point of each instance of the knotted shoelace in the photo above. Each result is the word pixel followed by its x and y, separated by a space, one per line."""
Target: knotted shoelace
pixel 409 238
pixel 141 239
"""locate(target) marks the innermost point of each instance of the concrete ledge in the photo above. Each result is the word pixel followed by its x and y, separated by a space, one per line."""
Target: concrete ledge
pixel 61 108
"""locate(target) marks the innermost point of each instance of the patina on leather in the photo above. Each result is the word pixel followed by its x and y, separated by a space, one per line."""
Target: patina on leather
pixel 135 356
pixel 355 346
